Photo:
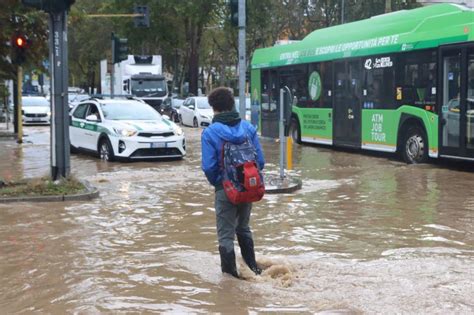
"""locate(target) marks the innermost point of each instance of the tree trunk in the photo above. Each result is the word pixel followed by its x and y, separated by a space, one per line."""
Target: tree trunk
pixel 388 6
pixel 193 70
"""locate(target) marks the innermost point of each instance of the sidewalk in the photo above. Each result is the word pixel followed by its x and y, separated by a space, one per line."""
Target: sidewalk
pixel 6 132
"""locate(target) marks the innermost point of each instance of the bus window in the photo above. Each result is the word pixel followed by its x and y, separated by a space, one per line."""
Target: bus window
pixel 295 78
pixel 416 79
pixel 319 80
pixel 470 103
pixel 274 92
pixel 378 83
pixel 265 84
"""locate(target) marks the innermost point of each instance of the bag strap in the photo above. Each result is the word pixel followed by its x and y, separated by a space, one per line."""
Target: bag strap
pixel 222 167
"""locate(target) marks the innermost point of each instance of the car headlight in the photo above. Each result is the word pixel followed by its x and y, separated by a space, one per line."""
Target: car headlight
pixel 125 132
pixel 49 114
pixel 178 131
pixel 205 116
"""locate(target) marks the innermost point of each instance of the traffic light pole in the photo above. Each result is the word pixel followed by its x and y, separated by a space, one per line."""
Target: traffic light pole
pixel 19 115
pixel 112 70
pixel 60 146
pixel 242 61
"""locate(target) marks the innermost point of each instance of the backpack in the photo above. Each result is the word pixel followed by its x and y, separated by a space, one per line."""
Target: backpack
pixel 242 180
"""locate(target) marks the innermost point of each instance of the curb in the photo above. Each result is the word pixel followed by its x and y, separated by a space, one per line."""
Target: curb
pixel 7 135
pixel 90 193
pixel 275 185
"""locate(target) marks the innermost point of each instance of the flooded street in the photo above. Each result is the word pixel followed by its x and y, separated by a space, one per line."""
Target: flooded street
pixel 365 234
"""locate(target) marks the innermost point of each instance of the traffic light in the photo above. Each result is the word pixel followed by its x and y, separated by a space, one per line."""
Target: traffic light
pixel 119 49
pixel 20 44
pixel 234 12
pixel 144 19
pixel 49 5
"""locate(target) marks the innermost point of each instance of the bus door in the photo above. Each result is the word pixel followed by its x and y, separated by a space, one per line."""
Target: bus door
pixel 347 103
pixel 456 132
pixel 270 104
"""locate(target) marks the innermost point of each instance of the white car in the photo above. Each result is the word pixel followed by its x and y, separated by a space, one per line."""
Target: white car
pixel 196 112
pixel 124 129
pixel 35 110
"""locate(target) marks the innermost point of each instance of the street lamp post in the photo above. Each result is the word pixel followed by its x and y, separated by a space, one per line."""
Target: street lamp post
pixel 242 61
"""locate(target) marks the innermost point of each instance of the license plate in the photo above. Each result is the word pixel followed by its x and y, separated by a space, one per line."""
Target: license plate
pixel 36 119
pixel 158 145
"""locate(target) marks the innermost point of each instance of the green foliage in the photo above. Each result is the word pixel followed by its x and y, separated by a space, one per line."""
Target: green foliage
pixel 41 187
pixel 195 37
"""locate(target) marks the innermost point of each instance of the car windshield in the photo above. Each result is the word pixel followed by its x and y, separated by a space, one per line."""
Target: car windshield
pixel 149 87
pixel 35 101
pixel 129 111
pixel 202 103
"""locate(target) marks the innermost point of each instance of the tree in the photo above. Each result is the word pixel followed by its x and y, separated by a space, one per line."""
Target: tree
pixel 89 42
pixel 18 19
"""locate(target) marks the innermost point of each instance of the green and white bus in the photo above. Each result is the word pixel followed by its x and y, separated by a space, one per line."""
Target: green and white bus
pixel 399 82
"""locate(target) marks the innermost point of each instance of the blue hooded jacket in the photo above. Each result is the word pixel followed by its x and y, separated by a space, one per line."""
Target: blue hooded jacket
pixel 212 140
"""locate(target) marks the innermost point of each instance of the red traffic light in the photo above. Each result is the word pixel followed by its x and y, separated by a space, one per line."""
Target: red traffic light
pixel 20 41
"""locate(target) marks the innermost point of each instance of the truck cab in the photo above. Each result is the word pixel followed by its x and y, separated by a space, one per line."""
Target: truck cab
pixel 142 77
pixel 151 88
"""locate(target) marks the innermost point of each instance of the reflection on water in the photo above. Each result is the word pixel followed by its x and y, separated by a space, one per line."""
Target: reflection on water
pixel 364 234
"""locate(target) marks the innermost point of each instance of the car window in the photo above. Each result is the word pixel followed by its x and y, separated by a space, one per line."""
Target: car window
pixel 203 104
pixel 93 110
pixel 191 102
pixel 80 111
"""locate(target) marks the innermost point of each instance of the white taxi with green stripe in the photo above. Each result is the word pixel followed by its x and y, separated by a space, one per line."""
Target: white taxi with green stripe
pixel 124 128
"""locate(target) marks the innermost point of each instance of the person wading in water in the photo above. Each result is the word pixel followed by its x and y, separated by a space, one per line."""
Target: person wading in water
pixel 231 218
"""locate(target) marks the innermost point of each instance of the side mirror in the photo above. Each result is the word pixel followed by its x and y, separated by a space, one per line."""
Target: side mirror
pixel 92 118
pixel 166 117
pixel 191 107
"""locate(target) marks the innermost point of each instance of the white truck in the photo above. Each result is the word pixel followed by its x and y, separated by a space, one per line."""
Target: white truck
pixel 139 76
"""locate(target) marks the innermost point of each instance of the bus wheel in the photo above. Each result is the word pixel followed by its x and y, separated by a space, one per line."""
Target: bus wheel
pixel 415 146
pixel 295 130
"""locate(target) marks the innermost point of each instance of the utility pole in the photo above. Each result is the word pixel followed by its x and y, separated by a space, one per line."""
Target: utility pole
pixel 242 61
pixel 112 70
pixel 19 115
pixel 342 11
pixel 60 146
pixel 60 156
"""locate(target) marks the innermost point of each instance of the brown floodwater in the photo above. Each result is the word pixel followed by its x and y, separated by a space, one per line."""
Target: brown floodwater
pixel 365 234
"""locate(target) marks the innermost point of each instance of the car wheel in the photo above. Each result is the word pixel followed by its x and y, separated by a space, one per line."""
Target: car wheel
pixel 295 131
pixel 106 152
pixel 195 122
pixel 414 146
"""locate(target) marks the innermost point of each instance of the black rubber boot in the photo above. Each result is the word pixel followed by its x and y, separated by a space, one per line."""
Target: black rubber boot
pixel 248 253
pixel 228 262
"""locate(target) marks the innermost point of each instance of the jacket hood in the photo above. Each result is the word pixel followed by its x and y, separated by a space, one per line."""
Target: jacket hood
pixel 228 127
